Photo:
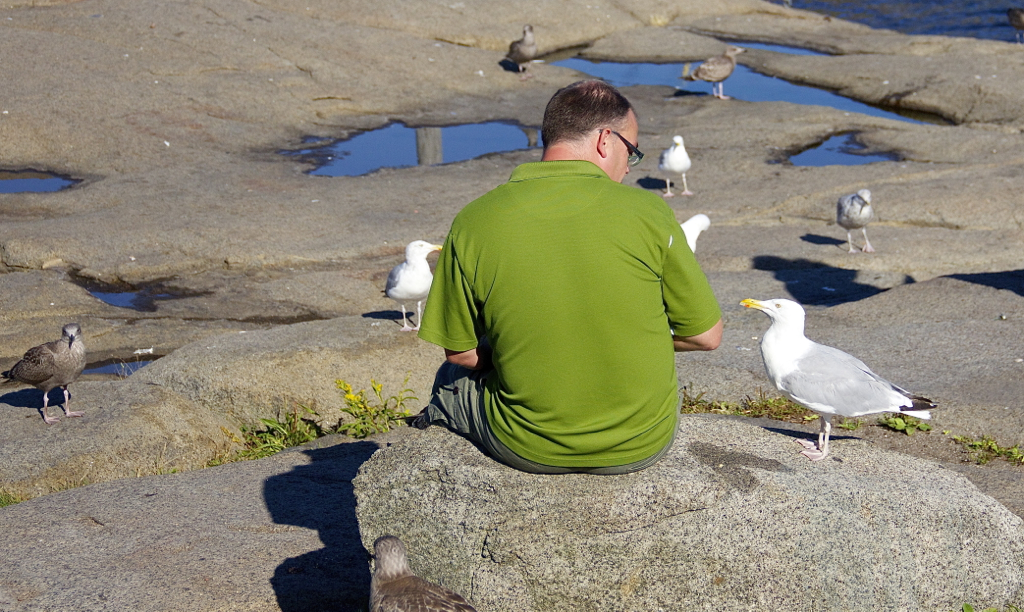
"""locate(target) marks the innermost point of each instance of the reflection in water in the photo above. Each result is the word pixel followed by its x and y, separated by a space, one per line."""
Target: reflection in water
pixel 744 84
pixel 30 181
pixel 398 146
pixel 119 367
pixel 841 150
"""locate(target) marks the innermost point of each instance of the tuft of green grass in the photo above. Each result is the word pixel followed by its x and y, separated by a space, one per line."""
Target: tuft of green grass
pixel 9 499
pixel 970 608
pixel 984 450
pixel 291 429
pixel 373 416
pixel 760 405
pixel 849 424
pixel 906 424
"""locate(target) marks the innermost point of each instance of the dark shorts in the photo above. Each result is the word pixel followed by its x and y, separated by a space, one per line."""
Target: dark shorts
pixel 456 402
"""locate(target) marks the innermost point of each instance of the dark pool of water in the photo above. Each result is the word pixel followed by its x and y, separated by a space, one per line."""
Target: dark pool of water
pixel 974 19
pixel 840 150
pixel 397 146
pixel 744 84
pixel 31 181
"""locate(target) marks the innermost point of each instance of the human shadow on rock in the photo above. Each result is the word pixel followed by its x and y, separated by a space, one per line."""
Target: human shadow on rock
pixel 320 496
pixel 1011 280
pixel 816 283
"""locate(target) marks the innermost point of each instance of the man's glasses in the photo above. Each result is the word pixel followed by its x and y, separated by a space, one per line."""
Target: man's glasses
pixel 635 156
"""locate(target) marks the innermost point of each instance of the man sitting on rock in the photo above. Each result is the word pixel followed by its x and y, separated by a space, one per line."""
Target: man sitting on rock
pixel 559 298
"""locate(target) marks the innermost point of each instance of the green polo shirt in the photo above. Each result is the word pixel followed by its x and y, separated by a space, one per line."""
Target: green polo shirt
pixel 578 282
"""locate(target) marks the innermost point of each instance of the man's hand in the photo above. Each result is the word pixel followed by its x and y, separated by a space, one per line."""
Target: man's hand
pixel 708 341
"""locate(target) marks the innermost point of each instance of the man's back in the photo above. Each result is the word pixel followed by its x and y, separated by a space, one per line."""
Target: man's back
pixel 565 271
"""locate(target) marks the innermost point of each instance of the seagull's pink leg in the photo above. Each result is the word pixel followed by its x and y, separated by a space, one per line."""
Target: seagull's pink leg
pixel 867 245
pixel 49 420
pixel 686 190
pixel 67 404
pixel 668 189
pixel 849 240
pixel 819 451
pixel 405 322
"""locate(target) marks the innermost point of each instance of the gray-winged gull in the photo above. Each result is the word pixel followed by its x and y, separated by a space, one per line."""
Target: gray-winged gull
pixel 715 70
pixel 394 588
pixel 692 228
pixel 54 364
pixel 823 379
pixel 410 280
pixel 674 160
pixel 854 212
pixel 523 51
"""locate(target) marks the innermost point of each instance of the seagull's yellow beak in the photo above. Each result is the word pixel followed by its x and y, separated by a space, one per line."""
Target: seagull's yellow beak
pixel 749 303
pixel 437 247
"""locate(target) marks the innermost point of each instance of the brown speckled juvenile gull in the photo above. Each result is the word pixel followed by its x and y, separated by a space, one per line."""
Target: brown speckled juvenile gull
pixel 854 212
pixel 54 364
pixel 1016 18
pixel 824 379
pixel 715 70
pixel 523 51
pixel 394 588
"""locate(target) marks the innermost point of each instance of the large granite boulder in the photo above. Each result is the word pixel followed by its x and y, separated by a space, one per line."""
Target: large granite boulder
pixel 734 518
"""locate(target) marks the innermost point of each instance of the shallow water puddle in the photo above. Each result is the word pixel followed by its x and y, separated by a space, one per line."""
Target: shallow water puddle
pixel 31 181
pixel 118 367
pixel 143 300
pixel 399 146
pixel 841 150
pixel 743 84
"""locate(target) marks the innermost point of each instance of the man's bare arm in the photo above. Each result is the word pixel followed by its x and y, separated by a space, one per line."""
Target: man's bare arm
pixel 708 341
pixel 477 358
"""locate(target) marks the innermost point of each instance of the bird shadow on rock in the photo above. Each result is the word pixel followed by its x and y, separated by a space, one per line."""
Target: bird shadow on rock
pixel 320 496
pixel 32 398
pixel 508 65
pixel 651 182
pixel 816 239
pixel 683 93
pixel 1011 280
pixel 815 283
pixel 387 315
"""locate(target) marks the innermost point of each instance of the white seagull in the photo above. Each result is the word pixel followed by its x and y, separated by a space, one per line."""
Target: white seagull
pixel 823 379
pixel 854 212
pixel 692 228
pixel 410 280
pixel 674 160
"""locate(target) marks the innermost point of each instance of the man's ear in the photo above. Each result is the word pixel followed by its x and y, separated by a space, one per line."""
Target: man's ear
pixel 602 145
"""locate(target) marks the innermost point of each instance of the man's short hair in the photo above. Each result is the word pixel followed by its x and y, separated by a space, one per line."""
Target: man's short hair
pixel 580 108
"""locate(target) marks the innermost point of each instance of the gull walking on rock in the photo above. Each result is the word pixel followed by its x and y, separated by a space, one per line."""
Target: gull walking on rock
pixel 715 70
pixel 692 228
pixel 523 51
pixel 54 364
pixel 674 160
pixel 410 280
pixel 394 588
pixel 854 212
pixel 823 379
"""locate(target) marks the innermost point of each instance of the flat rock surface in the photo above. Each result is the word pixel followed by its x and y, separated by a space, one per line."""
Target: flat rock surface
pixel 174 117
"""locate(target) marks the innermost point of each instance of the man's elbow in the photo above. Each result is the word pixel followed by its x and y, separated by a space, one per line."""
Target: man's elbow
pixel 467 359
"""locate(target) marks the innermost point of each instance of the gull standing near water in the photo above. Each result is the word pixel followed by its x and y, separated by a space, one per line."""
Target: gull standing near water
pixel 394 588
pixel 523 51
pixel 54 364
pixel 854 212
pixel 410 280
pixel 823 379
pixel 1016 18
pixel 715 70
pixel 674 160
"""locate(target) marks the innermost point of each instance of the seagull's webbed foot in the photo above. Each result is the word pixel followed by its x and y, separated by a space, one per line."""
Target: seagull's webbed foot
pixel 49 420
pixel 686 193
pixel 867 245
pixel 811 450
pixel 77 413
